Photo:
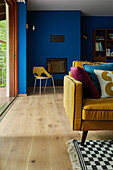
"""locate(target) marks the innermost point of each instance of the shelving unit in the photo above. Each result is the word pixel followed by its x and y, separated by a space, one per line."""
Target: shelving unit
pixel 102 44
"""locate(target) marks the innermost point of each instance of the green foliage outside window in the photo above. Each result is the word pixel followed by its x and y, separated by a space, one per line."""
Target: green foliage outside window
pixel 3 53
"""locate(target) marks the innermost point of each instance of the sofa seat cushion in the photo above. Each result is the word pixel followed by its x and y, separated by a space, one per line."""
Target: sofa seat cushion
pixel 97 109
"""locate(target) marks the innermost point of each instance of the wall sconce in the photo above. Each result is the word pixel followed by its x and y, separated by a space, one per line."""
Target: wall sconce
pixel 33 28
pixel 85 37
pixel 26 26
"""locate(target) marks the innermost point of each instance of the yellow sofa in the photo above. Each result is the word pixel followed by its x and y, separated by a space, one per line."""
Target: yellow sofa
pixel 86 114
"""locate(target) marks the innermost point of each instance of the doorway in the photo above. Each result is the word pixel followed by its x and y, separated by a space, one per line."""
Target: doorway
pixel 5 98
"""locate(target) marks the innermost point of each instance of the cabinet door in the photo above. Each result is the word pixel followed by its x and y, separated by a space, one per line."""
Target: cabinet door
pixel 99 52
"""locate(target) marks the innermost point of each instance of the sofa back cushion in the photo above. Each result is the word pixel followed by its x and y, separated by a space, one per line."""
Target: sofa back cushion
pixel 80 63
pixel 89 90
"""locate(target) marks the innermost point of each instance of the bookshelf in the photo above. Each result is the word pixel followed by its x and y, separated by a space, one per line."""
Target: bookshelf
pixel 102 44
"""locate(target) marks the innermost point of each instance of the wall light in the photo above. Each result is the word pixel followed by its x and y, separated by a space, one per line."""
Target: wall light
pixel 85 37
pixel 33 28
pixel 27 27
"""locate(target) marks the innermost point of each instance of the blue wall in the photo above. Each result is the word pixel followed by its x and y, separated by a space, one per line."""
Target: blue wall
pixel 88 25
pixel 39 47
pixel 67 23
pixel 22 83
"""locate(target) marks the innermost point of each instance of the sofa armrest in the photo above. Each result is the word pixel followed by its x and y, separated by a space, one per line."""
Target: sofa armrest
pixel 73 101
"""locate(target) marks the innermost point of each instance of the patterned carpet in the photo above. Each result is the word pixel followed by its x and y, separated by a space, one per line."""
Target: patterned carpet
pixel 95 155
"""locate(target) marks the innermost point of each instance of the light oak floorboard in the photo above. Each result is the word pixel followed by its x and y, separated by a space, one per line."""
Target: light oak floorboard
pixel 34 132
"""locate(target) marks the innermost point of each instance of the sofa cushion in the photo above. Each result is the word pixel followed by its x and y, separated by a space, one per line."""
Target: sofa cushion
pixel 92 75
pixel 97 109
pixel 80 63
pixel 105 79
pixel 89 90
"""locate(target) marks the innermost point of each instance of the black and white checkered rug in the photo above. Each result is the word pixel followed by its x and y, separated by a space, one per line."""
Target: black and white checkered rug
pixel 95 154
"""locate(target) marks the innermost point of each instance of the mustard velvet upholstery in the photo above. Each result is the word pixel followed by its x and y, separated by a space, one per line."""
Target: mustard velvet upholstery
pixel 96 125
pixel 80 63
pixel 70 73
pixel 101 110
pixel 86 114
pixel 73 101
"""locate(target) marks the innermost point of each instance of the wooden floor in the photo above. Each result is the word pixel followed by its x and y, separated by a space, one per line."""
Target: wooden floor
pixel 34 132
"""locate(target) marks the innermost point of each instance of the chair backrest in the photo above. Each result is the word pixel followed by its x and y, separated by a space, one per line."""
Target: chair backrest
pixel 40 70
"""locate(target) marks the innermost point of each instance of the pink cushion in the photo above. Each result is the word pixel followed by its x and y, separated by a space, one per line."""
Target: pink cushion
pixel 89 88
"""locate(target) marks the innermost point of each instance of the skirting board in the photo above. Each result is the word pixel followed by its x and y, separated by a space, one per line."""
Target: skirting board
pixel 22 95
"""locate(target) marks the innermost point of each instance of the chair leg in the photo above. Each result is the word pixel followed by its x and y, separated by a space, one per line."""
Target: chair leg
pixel 84 135
pixel 45 85
pixel 40 87
pixel 53 85
pixel 34 86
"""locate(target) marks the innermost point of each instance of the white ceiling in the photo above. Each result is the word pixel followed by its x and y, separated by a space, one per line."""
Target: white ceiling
pixel 88 7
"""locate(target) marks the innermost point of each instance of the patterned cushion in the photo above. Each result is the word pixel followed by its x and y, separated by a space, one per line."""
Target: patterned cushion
pixel 106 82
pixel 92 75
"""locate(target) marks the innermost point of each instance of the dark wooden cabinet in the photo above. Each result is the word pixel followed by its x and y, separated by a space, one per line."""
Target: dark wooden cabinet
pixel 102 44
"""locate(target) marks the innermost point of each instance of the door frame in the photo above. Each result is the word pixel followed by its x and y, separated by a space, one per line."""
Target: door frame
pixel 7 53
pixel 13 49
